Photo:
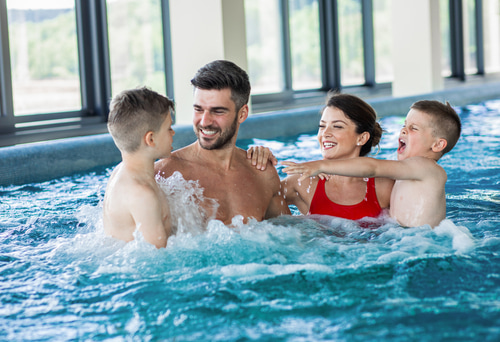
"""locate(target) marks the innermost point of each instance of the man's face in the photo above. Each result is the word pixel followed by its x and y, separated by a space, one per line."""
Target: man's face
pixel 215 120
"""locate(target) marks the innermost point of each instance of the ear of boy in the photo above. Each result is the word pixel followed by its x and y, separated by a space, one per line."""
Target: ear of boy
pixel 149 139
pixel 439 145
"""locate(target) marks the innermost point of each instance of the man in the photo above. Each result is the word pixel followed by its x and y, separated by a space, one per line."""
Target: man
pixel 221 94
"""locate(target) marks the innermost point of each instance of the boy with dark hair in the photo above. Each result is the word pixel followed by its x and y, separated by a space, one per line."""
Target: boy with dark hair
pixel 140 122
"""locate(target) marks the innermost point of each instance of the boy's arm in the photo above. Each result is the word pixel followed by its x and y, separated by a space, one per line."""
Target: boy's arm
pixel 147 214
pixel 412 168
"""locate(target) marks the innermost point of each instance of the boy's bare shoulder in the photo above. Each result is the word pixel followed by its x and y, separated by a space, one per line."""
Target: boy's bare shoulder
pixel 428 167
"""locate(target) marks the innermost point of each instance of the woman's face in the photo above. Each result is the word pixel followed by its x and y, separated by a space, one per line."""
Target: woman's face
pixel 337 135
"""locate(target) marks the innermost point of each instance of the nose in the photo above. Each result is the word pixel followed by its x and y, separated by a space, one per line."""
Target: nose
pixel 404 131
pixel 327 132
pixel 206 119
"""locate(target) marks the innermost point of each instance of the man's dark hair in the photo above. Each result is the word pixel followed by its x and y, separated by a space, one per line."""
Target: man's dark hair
pixel 222 74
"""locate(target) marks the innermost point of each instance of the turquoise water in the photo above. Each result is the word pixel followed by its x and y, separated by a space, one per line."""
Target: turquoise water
pixel 289 279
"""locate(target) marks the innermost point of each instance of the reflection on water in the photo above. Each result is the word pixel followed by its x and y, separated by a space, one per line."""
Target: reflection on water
pixel 292 278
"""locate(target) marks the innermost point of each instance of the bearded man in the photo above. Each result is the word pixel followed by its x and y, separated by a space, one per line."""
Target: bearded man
pixel 221 94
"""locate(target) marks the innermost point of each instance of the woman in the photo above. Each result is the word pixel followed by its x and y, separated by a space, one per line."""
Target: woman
pixel 347 129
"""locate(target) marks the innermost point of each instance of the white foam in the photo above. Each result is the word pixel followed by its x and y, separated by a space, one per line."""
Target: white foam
pixel 462 240
pixel 190 210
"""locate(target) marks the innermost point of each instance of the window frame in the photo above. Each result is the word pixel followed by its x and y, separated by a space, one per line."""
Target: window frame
pixel 329 55
pixel 95 80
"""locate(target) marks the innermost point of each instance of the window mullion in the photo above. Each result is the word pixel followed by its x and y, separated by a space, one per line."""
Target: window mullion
pixel 457 40
pixel 479 37
pixel 167 49
pixel 329 37
pixel 368 43
pixel 287 54
pixel 7 105
pixel 94 56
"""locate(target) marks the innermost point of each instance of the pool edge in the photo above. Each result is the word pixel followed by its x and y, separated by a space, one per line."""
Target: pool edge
pixel 43 161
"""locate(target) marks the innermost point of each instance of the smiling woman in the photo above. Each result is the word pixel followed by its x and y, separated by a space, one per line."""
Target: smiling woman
pixel 347 129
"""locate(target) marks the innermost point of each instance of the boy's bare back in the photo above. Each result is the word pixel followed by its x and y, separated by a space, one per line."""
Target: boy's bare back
pixel 133 202
pixel 140 123
pixel 421 200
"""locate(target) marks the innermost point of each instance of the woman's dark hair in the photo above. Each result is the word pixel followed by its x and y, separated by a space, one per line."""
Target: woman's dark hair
pixel 359 112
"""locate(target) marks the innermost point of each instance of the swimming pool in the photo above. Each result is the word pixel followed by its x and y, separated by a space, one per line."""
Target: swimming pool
pixel 288 279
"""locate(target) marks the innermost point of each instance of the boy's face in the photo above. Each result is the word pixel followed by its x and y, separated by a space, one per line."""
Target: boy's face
pixel 165 137
pixel 416 138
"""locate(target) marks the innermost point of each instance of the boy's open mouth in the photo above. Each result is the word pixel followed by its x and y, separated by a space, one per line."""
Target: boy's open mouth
pixel 402 146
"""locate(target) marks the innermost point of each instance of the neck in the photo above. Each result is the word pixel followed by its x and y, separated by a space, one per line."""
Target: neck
pixel 220 158
pixel 139 163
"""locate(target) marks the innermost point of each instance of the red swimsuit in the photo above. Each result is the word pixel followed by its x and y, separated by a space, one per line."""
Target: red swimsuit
pixel 369 206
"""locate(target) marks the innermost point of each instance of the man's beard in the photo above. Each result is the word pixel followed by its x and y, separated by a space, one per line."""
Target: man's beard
pixel 223 140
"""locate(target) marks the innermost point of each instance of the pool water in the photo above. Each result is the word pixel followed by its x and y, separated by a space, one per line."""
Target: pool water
pixel 293 278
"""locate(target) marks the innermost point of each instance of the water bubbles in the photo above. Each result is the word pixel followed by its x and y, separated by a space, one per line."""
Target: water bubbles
pixel 190 210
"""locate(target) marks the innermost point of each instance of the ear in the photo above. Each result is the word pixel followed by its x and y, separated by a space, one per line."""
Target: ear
pixel 149 139
pixel 439 145
pixel 243 113
pixel 363 138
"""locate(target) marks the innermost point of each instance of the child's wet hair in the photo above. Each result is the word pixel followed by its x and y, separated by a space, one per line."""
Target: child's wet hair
pixel 133 113
pixel 445 120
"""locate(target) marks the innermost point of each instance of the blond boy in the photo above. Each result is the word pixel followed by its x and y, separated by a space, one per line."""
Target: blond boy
pixel 140 123
pixel 418 197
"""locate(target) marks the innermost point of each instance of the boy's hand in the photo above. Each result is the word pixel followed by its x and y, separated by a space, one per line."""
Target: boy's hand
pixel 305 170
pixel 260 156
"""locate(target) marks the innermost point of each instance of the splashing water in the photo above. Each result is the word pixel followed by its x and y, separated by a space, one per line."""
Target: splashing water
pixel 189 209
pixel 292 278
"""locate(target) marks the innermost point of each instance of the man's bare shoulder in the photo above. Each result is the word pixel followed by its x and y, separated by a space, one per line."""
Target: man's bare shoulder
pixel 269 174
pixel 177 160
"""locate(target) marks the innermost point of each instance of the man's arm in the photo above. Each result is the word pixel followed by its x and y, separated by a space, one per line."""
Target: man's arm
pixel 277 206
pixel 409 169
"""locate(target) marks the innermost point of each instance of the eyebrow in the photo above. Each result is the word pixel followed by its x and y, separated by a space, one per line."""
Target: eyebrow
pixel 211 108
pixel 334 121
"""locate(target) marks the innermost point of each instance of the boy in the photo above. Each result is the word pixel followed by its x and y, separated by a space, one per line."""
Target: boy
pixel 418 197
pixel 140 123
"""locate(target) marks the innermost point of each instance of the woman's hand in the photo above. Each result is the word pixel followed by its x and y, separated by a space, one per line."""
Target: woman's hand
pixel 260 156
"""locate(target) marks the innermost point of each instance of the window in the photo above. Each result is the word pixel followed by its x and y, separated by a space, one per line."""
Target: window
pixel 491 29
pixel 264 47
pixel 351 42
pixel 44 56
pixel 60 60
pixel 444 13
pixel 470 35
pixel 305 44
pixel 382 23
pixel 136 45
